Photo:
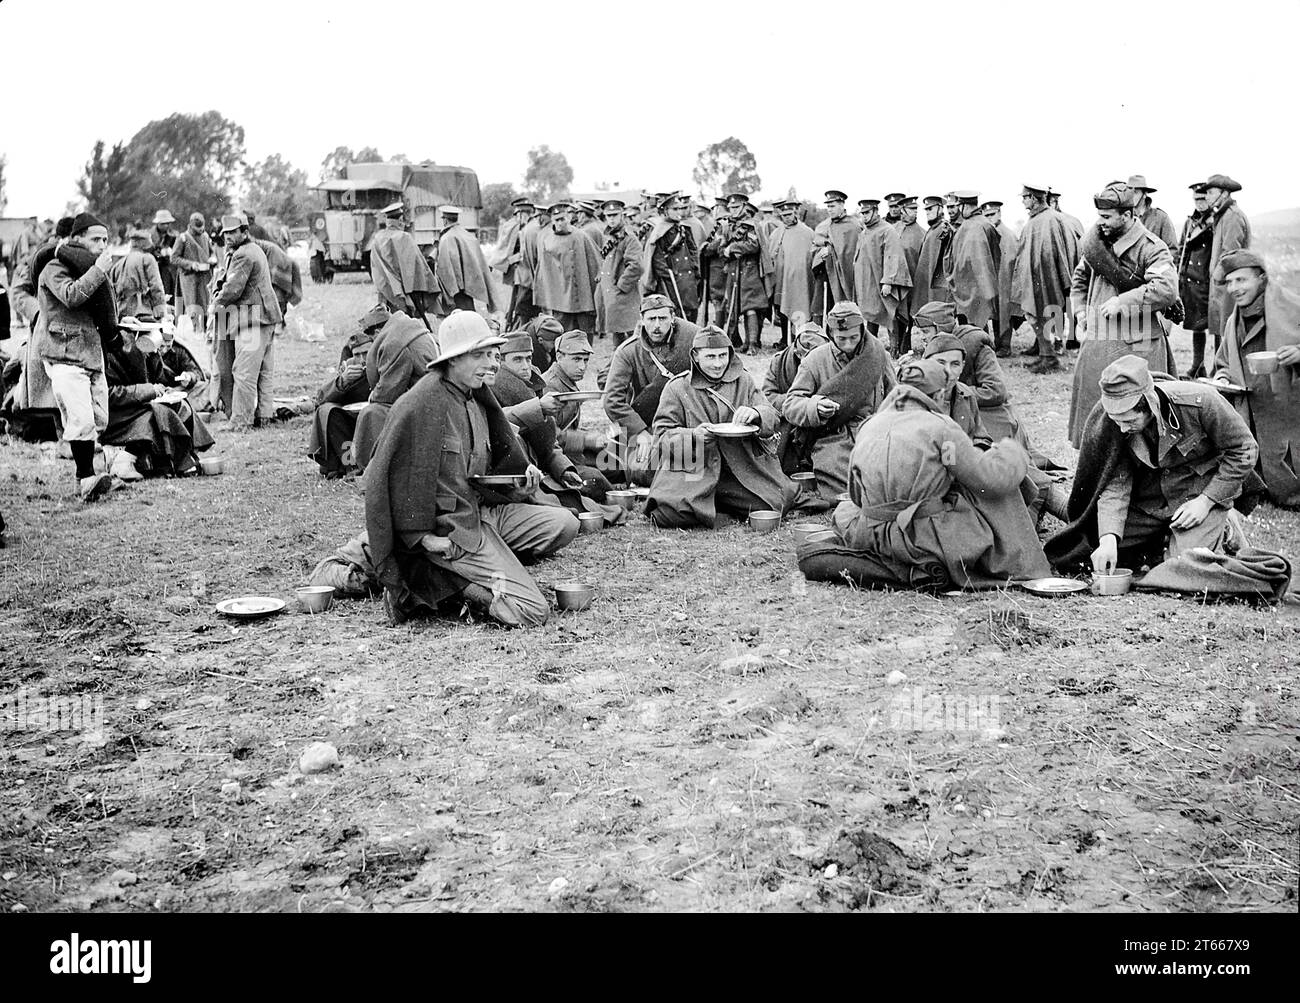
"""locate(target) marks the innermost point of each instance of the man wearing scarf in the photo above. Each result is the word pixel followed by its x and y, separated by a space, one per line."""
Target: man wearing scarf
pixel 638 372
pixel 976 259
pixel 618 299
pixel 700 474
pixel 1194 251
pixel 930 277
pixel 333 426
pixel 928 509
pixel 1265 318
pixel 1155 220
pixel 1231 233
pixel 1042 274
pixel 78 319
pixel 835 246
pixel 791 245
pixel 568 271
pixel 401 354
pixel 880 273
pixel 402 277
pixel 1125 276
pixel 461 269
pixel 670 263
pixel 738 249
pixel 432 534
pixel 193 256
pixel 837 388
pixel 1161 468
pixel 785 364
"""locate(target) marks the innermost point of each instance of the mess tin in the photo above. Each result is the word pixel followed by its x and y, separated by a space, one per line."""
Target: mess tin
pixel 1116 583
pixel 626 500
pixel 315 598
pixel 803 530
pixel 212 465
pixel 764 521
pixel 590 522
pixel 1262 363
pixel 574 595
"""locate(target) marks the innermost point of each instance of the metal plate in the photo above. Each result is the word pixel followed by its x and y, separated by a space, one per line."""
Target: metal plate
pixel 1227 388
pixel 170 397
pixel 574 396
pixel 356 406
pixel 250 607
pixel 732 430
pixel 1054 587
pixel 499 480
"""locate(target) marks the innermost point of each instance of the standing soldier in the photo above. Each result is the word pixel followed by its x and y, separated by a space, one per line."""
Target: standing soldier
pixel 880 272
pixel 1054 200
pixel 976 258
pixel 1041 276
pixel 193 256
pixel 589 224
pixel 1194 251
pixel 568 269
pixel 162 249
pixel 402 277
pixel 792 292
pixel 670 262
pixel 618 302
pixel 930 276
pixel 836 243
pixel 1007 323
pixel 1231 232
pixel 461 269
pixel 740 252
pixel 1155 220
pixel 508 260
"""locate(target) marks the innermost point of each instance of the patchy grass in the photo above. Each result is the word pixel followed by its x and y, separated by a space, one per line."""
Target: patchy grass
pixel 714 733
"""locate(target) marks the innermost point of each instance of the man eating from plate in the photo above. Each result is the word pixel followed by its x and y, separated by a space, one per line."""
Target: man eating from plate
pixel 702 471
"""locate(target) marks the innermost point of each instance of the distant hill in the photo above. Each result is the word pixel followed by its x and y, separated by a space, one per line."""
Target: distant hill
pixel 1278 219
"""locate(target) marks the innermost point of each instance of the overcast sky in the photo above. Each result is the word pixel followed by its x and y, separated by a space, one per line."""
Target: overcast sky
pixel 922 97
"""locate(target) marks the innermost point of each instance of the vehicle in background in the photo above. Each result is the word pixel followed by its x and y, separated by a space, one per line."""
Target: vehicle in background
pixel 351 207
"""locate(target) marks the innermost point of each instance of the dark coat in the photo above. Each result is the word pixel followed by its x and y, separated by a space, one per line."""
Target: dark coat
pixel 618 300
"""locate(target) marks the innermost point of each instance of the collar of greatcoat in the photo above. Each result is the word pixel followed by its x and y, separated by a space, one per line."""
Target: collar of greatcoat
pixel 1129 239
pixel 729 375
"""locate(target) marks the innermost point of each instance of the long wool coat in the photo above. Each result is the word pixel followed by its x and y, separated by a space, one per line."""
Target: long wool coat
pixel 1045 260
pixel 688 481
pixel 880 260
pixel 976 258
pixel 462 268
pixel 192 258
pixel 792 281
pixel 618 301
pixel 568 270
pixel 839 237
pixel 925 500
pixel 1272 408
pixel 1231 231
pixel 1134 330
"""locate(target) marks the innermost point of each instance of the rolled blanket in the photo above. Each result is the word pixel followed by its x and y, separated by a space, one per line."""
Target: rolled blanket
pixel 1249 573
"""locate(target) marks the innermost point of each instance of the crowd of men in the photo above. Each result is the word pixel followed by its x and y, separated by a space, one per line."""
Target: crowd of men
pixel 886 400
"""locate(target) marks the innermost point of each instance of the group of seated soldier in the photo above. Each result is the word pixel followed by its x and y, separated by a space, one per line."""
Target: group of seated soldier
pixel 932 477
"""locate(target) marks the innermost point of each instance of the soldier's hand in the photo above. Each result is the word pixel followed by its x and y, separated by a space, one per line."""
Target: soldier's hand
pixel 705 433
pixel 746 416
pixel 572 479
pixel 886 289
pixel 439 545
pixel 1289 355
pixel 550 405
pixel 1106 555
pixel 105 260
pixel 1191 514
pixel 534 479
pixel 644 443
pixel 1111 307
pixel 826 409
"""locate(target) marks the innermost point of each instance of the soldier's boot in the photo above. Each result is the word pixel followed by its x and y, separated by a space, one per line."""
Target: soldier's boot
pixel 753 331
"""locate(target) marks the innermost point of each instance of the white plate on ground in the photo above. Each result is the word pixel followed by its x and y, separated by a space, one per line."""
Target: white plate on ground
pixel 1055 587
pixel 250 607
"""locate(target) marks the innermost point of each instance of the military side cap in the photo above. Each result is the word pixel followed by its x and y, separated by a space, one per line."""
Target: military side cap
pixel 943 342
pixel 844 316
pixel 936 314
pixel 376 316
pixel 573 343
pixel 924 375
pixel 656 301
pixel 1124 382
pixel 710 336
pixel 1240 258
pixel 517 341
pixel 1222 181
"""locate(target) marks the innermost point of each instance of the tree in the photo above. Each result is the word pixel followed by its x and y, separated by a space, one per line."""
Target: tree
pixel 185 163
pixel 332 166
pixel 108 186
pixel 368 155
pixel 726 167
pixel 549 174
pixel 276 188
pixel 496 201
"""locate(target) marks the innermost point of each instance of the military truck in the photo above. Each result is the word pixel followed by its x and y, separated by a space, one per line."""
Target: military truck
pixel 351 207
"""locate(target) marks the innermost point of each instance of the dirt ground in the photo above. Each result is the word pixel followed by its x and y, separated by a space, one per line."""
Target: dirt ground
pixel 713 734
